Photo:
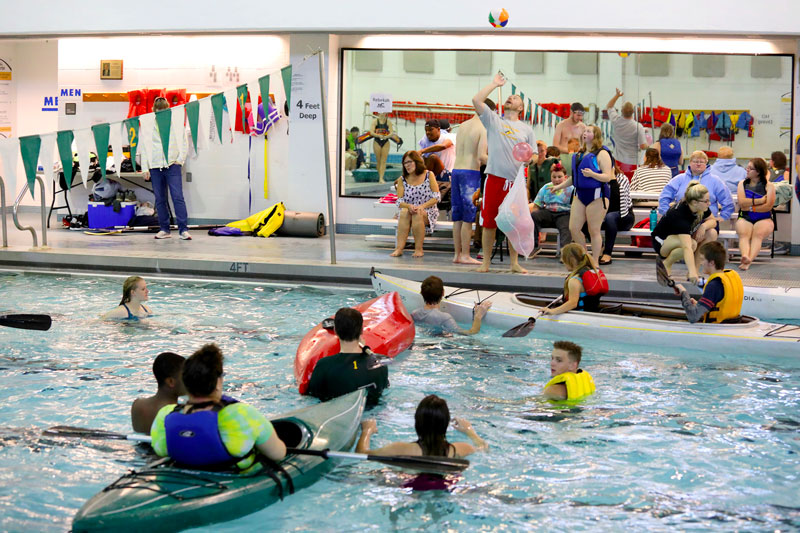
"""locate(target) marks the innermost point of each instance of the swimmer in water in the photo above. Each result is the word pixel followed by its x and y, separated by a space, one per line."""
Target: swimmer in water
pixel 134 294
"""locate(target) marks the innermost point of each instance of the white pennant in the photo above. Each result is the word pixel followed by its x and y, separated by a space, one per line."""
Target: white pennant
pixel 147 125
pixel 46 153
pixel 205 123
pixel 85 144
pixel 9 156
pixel 115 138
pixel 230 103
pixel 177 129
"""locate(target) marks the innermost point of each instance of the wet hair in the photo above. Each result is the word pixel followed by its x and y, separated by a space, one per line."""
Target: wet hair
pixel 597 141
pixel 430 421
pixel 160 103
pixel 627 110
pixel 761 167
pixel 490 104
pixel 574 352
pixel 167 365
pixel 202 370
pixel 694 191
pixel 432 290
pixel 715 252
pixel 552 151
pixel 127 288
pixel 652 158
pixel 419 167
pixel 348 324
pixel 778 160
pixel 574 254
pixel 667 131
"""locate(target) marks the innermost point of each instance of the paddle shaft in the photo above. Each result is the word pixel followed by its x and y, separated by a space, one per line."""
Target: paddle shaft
pixel 424 463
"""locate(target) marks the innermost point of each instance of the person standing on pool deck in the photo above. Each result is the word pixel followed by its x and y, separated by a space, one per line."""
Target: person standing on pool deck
pixel 471 153
pixel 353 367
pixel 131 307
pixel 168 369
pixel 432 291
pixel 213 430
pixel 723 293
pixel 502 134
pixel 567 380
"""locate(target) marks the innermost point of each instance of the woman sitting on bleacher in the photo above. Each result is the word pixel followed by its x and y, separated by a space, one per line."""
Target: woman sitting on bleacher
pixel 417 196
pixel 756 195
pixel 652 175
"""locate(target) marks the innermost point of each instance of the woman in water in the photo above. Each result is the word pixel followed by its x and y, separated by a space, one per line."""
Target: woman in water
pixel 756 195
pixel 577 295
pixel 134 294
pixel 430 421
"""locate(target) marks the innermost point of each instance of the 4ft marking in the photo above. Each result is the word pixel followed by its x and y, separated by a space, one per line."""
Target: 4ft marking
pixel 238 267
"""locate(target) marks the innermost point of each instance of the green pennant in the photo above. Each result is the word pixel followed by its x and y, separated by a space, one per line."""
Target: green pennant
pixel 164 123
pixel 29 148
pixel 101 134
pixel 513 89
pixel 193 114
pixel 286 74
pixel 263 85
pixel 241 98
pixel 217 103
pixel 64 142
pixel 132 134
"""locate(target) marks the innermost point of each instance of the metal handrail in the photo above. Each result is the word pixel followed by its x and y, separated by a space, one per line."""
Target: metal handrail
pixel 43 209
pixel 3 211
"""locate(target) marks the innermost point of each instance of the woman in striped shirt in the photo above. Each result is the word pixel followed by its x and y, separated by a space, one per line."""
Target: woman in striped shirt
pixel 652 175
pixel 620 215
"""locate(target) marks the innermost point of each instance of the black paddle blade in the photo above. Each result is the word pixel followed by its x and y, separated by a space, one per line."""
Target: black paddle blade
pixel 37 322
pixel 422 463
pixel 662 276
pixel 521 330
pixel 84 433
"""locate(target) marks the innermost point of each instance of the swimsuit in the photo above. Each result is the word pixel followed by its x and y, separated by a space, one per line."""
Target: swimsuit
pixel 464 183
pixel 586 188
pixel 495 190
pixel 754 191
pixel 671 153
pixel 381 129
pixel 133 317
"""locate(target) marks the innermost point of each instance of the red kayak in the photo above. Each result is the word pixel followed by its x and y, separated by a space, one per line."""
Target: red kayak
pixel 388 330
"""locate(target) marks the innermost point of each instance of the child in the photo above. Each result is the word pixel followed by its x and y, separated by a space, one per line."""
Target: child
pixel 567 381
pixel 432 291
pixel 585 283
pixel 723 292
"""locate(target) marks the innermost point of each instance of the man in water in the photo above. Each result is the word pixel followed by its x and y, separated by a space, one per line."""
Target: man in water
pixel 471 153
pixel 167 368
pixel 629 135
pixel 571 128
pixel 567 380
pixel 352 368
pixel 502 134
pixel 432 291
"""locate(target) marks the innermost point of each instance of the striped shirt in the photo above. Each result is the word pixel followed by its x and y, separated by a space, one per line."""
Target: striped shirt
pixel 648 179
pixel 625 202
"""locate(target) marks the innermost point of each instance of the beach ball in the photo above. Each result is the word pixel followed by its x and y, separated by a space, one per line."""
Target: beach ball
pixel 522 151
pixel 622 54
pixel 498 18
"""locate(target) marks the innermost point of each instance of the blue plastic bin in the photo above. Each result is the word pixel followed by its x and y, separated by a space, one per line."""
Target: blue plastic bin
pixel 103 216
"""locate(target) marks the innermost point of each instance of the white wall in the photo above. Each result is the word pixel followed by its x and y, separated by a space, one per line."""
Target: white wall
pixel 40 17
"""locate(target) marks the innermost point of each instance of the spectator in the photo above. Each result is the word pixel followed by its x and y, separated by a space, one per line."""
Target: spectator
pixel 620 215
pixel 417 196
pixel 539 172
pixel 629 136
pixel 566 158
pixel 572 128
pixel 669 148
pixel 777 166
pixel 551 209
pixel 354 156
pixel 653 175
pixel 726 169
pixel 440 143
pixel 756 197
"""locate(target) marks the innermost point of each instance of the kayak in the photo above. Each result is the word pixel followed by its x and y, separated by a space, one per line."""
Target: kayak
pixel 618 321
pixel 778 303
pixel 167 498
pixel 388 330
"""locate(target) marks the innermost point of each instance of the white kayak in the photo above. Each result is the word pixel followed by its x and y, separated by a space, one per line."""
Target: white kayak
pixel 643 324
pixel 774 303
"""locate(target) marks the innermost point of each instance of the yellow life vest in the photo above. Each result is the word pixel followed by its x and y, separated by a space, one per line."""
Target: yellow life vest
pixel 731 304
pixel 579 384
pixel 264 223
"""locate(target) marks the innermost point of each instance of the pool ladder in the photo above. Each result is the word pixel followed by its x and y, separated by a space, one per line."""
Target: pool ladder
pixel 16 218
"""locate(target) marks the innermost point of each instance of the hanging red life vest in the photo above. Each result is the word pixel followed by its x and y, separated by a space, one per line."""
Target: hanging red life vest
pixel 152 94
pixel 176 97
pixel 137 101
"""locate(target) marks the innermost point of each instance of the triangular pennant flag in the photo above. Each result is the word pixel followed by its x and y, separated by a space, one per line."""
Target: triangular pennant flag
pixel 179 132
pixel 147 127
pixel 241 99
pixel 85 144
pixel 46 153
pixel 164 124
pixel 100 132
pixel 263 86
pixel 132 137
pixel 29 149
pixel 513 89
pixel 9 152
pixel 217 103
pixel 115 136
pixel 230 107
pixel 286 74
pixel 522 96
pixel 64 141
pixel 193 115
pixel 205 126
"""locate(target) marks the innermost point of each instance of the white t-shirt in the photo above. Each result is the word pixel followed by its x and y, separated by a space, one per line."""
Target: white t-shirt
pixel 448 155
pixel 501 136
pixel 628 136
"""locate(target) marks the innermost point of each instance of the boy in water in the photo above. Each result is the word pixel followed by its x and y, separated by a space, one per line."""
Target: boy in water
pixel 432 291
pixel 167 368
pixel 723 293
pixel 567 380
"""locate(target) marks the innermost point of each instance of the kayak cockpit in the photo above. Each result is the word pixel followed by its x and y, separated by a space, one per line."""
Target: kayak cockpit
pixel 292 432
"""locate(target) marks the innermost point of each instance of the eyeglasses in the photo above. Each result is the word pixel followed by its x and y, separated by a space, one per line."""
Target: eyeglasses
pixel 698 161
pixel 409 162
pixel 703 201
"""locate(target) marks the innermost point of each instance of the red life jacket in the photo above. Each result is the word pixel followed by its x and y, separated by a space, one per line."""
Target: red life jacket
pixel 152 94
pixel 595 283
pixel 176 97
pixel 137 101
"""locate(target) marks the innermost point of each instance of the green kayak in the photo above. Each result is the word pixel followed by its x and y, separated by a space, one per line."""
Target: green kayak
pixel 166 498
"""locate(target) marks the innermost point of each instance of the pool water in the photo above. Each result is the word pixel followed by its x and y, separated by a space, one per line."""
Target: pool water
pixel 672 439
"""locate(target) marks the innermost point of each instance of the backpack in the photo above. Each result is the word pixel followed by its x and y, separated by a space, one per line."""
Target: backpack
pixel 642 242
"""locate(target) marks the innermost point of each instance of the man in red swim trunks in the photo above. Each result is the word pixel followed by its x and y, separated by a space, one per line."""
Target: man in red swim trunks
pixel 502 134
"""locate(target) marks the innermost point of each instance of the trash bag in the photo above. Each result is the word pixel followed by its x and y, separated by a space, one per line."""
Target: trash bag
pixel 514 218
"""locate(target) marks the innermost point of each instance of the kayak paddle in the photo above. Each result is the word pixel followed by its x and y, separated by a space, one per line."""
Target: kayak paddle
pixel 662 276
pixel 521 330
pixel 86 433
pixel 424 463
pixel 38 322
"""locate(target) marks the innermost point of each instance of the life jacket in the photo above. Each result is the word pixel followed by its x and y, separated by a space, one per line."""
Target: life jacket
pixel 176 97
pixel 137 103
pixel 731 304
pixel 193 438
pixel 579 384
pixel 152 94
pixel 581 160
pixel 595 282
pixel 754 192
pixel 264 223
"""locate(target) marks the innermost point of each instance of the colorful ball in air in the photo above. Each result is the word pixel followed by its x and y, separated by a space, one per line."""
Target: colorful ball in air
pixel 498 18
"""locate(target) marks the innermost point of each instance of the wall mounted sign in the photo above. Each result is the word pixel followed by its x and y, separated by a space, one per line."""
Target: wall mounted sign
pixel 110 69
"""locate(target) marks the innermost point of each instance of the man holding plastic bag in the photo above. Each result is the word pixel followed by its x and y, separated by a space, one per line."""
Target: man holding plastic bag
pixel 514 219
pixel 502 135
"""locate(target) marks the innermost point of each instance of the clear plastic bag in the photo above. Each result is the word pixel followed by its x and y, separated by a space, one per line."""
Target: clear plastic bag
pixel 514 218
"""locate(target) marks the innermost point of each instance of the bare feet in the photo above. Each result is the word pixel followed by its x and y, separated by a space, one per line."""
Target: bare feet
pixel 467 260
pixel 743 266
pixel 396 253
pixel 418 253
pixel 455 259
pixel 746 261
pixel 483 268
pixel 516 269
